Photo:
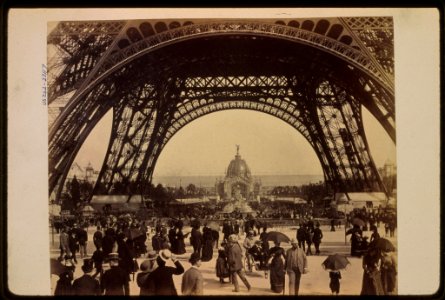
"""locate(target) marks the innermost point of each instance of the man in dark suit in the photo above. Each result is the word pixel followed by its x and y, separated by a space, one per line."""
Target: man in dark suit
pixel 295 265
pixel 196 239
pixel 301 236
pixel 160 281
pixel 86 285
pixel 192 281
pixel 115 281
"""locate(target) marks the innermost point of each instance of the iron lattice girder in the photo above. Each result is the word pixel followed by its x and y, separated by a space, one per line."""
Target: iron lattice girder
pixel 139 48
pixel 65 137
pixel 80 45
pixel 354 167
pixel 282 57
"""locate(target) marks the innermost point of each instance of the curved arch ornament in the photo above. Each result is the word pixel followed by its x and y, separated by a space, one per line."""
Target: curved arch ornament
pixel 154 91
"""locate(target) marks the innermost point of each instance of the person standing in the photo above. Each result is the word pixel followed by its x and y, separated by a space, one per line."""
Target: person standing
pixel 333 225
pixel 115 281
pixel 372 280
pixel 301 236
pixel 222 269
pixel 98 259
pixel 234 255
pixel 207 248
pixel 309 239
pixel 196 239
pixel 264 242
pixel 97 238
pixel 160 281
pixel 64 244
pixel 172 237
pixel 108 241
pixel 318 236
pixel 147 267
pixel 192 281
pixel 73 243
pixel 334 283
pixel 374 236
pixel 180 249
pixel 388 269
pixel 295 265
pixel 277 274
pixel 86 285
pixel 83 239
pixel 64 286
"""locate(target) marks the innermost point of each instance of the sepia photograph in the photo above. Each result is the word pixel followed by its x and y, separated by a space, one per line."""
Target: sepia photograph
pixel 186 153
pixel 222 156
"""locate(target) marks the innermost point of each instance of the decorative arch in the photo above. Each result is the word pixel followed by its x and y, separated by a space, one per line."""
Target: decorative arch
pixel 154 90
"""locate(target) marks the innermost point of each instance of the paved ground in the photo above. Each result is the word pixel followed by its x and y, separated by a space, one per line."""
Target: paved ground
pixel 316 282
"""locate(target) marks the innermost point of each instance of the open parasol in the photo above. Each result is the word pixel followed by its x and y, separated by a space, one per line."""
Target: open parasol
pixel 278 237
pixel 383 244
pixel 335 262
pixel 358 222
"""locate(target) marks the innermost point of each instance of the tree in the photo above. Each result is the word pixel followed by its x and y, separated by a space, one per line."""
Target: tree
pixel 191 189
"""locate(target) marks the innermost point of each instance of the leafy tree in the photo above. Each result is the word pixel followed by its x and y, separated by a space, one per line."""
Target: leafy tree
pixel 191 189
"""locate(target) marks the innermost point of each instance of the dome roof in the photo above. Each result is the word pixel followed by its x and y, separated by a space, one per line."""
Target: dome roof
pixel 238 167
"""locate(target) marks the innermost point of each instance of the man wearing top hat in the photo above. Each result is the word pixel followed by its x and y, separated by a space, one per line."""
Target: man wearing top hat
pixel 115 281
pixel 192 281
pixel 86 285
pixel 147 267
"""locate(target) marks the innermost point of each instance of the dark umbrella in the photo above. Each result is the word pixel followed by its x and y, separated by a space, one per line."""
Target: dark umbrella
pixel 277 237
pixel 213 225
pixel 383 244
pixel 359 222
pixel 335 262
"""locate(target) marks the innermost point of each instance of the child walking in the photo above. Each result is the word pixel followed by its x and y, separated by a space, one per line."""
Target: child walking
pixel 334 284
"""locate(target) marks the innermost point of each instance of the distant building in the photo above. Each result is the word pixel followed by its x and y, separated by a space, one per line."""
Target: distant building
pixel 83 174
pixel 238 183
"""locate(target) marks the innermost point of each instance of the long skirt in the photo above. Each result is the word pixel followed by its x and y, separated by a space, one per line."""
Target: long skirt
pixel 277 275
pixel 207 250
pixel 222 269
pixel 180 246
pixel 372 284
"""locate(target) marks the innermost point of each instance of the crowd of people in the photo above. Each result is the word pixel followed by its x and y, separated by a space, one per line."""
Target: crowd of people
pixel 119 241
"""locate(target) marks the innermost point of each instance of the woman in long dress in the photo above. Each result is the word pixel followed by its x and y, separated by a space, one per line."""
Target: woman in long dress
pixel 372 280
pixel 276 255
pixel 179 238
pixel 207 249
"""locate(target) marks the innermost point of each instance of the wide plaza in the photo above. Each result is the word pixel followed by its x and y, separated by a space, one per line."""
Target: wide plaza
pixel 316 282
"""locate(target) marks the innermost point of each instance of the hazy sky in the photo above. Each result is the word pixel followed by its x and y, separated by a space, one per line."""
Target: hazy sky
pixel 207 145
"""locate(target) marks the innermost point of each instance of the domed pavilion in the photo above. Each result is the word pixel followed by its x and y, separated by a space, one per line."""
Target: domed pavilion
pixel 238 184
